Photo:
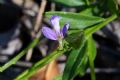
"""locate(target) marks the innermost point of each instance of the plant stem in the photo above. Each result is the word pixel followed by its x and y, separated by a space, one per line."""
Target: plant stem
pixel 25 75
pixel 22 53
pixel 91 63
pixel 40 15
pixel 93 29
pixel 60 44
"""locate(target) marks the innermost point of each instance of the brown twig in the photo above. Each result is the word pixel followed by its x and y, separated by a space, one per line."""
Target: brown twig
pixel 40 15
pixel 29 54
pixel 37 26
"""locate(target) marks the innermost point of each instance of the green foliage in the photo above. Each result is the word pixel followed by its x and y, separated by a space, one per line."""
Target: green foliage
pixel 79 58
pixel 90 54
pixel 87 12
pixel 73 61
pixel 71 3
pixel 76 20
pixel 91 50
pixel 81 70
pixel 82 52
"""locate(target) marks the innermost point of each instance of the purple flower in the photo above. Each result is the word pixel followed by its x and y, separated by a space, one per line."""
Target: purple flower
pixel 56 33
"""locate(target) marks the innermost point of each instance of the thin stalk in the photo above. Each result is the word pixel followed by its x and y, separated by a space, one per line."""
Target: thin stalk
pixel 93 29
pixel 25 75
pixel 22 53
pixel 91 63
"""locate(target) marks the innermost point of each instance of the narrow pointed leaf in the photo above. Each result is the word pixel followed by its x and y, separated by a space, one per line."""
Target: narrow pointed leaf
pixel 74 58
pixel 76 20
pixel 91 55
pixel 91 48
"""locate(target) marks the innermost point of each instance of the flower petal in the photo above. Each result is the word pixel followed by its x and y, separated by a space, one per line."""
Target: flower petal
pixel 55 22
pixel 49 33
pixel 65 29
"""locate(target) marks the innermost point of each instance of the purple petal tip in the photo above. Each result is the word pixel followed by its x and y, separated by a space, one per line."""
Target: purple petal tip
pixel 55 22
pixel 65 29
pixel 67 26
pixel 54 17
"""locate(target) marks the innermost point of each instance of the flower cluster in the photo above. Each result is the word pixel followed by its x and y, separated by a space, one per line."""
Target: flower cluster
pixel 56 33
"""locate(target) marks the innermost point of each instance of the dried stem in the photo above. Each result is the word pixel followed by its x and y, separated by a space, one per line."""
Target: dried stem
pixel 39 17
pixel 29 54
pixel 37 25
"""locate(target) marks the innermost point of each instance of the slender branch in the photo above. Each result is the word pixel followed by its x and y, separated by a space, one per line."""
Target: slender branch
pixel 25 75
pixel 29 54
pixel 91 63
pixel 22 53
pixel 40 15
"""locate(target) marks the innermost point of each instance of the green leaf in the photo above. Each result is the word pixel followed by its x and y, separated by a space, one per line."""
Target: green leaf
pixel 87 11
pixel 82 67
pixel 91 48
pixel 91 54
pixel 76 20
pixel 77 62
pixel 71 3
pixel 93 29
pixel 78 59
pixel 73 31
pixel 74 59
